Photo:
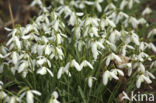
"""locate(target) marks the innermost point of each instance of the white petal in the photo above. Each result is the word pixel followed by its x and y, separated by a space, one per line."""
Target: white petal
pixel 120 72
pixel 29 97
pixel 117 57
pixel 14 57
pixel 105 77
pixel 18 42
pixel 41 61
pixel 147 79
pixel 113 75
pixel 76 65
pixel 21 67
pixel 138 83
pixel 90 80
pixel 108 61
pixel 60 72
pixel 55 94
pixel 49 71
pixel 42 71
pixel 36 92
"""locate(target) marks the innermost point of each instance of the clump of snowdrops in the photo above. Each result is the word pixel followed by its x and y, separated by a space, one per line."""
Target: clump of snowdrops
pixel 75 50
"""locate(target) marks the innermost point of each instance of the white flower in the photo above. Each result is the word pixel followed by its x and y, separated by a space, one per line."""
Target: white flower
pixel 61 71
pixel 60 53
pixel 75 64
pixel 108 75
pixel 152 32
pixel 117 71
pixel 86 63
pixel 30 96
pixel 152 46
pixel 142 21
pixel 112 46
pixel 15 57
pixel 142 78
pixel 95 45
pixel 115 35
pixel 44 70
pixel 147 73
pixel 98 6
pixel 135 38
pixel 54 97
pixel 77 32
pixel 90 81
pixel 72 19
pixel 13 99
pixel 48 50
pixel 123 4
pixel 41 61
pixel 127 66
pixel 134 22
pixel 130 4
pixel 147 10
pixel 111 23
pixel 23 66
pixel 112 56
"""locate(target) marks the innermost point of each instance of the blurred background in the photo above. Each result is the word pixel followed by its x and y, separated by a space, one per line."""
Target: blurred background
pixel 21 11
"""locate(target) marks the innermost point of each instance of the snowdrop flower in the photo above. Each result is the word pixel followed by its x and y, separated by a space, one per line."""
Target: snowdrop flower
pixel 23 66
pixel 135 38
pixel 147 11
pixel 95 45
pixel 112 46
pixel 111 23
pixel 98 6
pixel 152 32
pixel 54 98
pixel 43 60
pixel 107 75
pixel 142 78
pixel 44 70
pixel 92 21
pixel 61 71
pixel 123 4
pixel 30 95
pixel 48 49
pixel 153 64
pixel 90 81
pixel 117 71
pixel 72 19
pixel 127 66
pixel 60 53
pixel 142 21
pixel 124 51
pixel 147 73
pixel 3 95
pixel 134 22
pixel 140 66
pixel 130 4
pixel 114 36
pixel 77 32
pixel 15 57
pixel 110 6
pixel 152 46
pixel 86 63
pixel 75 64
pixel 112 56
pixel 13 99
